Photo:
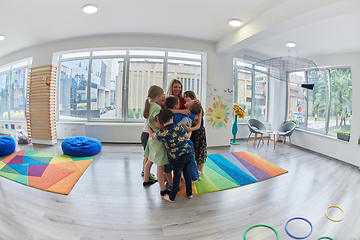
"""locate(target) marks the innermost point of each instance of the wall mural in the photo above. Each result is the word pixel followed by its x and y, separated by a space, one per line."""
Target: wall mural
pixel 218 110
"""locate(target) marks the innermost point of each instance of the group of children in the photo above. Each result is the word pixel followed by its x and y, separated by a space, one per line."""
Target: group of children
pixel 177 141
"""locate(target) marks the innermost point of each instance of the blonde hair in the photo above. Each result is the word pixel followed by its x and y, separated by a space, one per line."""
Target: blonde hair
pixel 190 94
pixel 172 82
pixel 153 92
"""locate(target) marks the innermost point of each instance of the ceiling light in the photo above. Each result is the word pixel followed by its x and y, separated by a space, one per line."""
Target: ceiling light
pixel 90 9
pixel 235 23
pixel 290 44
pixel 2 37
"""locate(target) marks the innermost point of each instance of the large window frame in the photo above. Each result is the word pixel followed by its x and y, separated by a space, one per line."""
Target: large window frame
pixel 326 98
pixel 15 90
pixel 195 82
pixel 257 93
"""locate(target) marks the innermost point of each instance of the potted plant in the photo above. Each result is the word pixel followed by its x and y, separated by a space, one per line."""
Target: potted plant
pixel 345 136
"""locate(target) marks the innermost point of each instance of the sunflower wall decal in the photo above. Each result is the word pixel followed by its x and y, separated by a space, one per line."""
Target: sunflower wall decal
pixel 217 115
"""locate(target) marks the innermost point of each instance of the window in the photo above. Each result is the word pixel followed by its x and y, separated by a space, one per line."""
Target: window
pixel 340 100
pixel 112 85
pixel 328 107
pixel 73 85
pixel 251 89
pixel 13 83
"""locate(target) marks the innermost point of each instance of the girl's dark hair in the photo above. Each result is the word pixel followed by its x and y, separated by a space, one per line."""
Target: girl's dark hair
pixel 190 94
pixel 153 92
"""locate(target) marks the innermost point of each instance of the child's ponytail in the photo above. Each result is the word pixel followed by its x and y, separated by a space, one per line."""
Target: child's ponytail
pixel 153 92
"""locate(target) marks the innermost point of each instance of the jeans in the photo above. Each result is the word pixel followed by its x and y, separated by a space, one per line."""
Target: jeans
pixel 181 164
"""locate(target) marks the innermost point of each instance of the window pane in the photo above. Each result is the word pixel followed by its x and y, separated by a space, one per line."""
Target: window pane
pixel 244 89
pixel 106 88
pixel 188 72
pixel 297 98
pixel 143 73
pixel 341 100
pixel 4 108
pixel 261 92
pixel 317 102
pixel 16 94
pixel 73 89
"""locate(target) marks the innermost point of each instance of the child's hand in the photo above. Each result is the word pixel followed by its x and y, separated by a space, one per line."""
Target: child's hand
pixel 197 101
pixel 153 135
pixel 186 127
pixel 186 112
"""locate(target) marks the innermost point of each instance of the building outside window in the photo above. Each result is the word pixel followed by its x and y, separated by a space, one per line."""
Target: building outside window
pixel 251 90
pixel 112 85
pixel 13 85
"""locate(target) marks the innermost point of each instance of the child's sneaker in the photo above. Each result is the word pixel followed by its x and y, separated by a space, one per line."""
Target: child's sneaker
pixel 152 177
pixel 149 182
pixel 164 192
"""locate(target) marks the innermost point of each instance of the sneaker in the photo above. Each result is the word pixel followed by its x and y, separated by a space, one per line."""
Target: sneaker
pixel 142 173
pixel 149 182
pixel 168 186
pixel 152 177
pixel 164 192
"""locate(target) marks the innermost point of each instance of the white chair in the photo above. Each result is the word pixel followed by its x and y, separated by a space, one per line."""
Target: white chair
pixel 257 127
pixel 286 130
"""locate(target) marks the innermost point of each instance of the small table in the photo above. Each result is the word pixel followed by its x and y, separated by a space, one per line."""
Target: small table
pixel 269 133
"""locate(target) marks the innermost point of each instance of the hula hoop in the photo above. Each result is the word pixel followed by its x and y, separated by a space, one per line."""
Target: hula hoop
pixel 261 225
pixel 300 219
pixel 325 238
pixel 331 218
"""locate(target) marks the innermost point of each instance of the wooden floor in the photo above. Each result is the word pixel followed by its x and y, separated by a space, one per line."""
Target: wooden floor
pixel 109 201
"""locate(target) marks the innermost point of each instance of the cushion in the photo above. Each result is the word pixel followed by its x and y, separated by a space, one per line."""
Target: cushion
pixel 81 146
pixel 7 145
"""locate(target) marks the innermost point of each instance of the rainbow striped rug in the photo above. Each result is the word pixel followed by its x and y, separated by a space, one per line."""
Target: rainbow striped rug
pixel 50 172
pixel 230 170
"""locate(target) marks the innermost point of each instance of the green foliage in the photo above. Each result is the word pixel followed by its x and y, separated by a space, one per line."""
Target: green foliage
pixel 134 113
pixel 294 121
pixel 345 133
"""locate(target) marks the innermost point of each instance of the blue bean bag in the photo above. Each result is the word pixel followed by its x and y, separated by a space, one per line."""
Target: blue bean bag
pixel 81 146
pixel 7 145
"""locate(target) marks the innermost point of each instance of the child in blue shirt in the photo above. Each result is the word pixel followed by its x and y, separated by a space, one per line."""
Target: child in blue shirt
pixel 172 102
pixel 178 148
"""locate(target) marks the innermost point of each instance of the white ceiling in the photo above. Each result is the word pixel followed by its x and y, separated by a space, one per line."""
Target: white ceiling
pixel 317 26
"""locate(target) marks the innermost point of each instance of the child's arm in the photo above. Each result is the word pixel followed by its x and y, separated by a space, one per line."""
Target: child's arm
pixel 186 112
pixel 190 129
pixel 187 135
pixel 157 122
pixel 151 132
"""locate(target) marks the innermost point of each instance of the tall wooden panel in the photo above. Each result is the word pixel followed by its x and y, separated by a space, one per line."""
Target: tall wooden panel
pixel 40 114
